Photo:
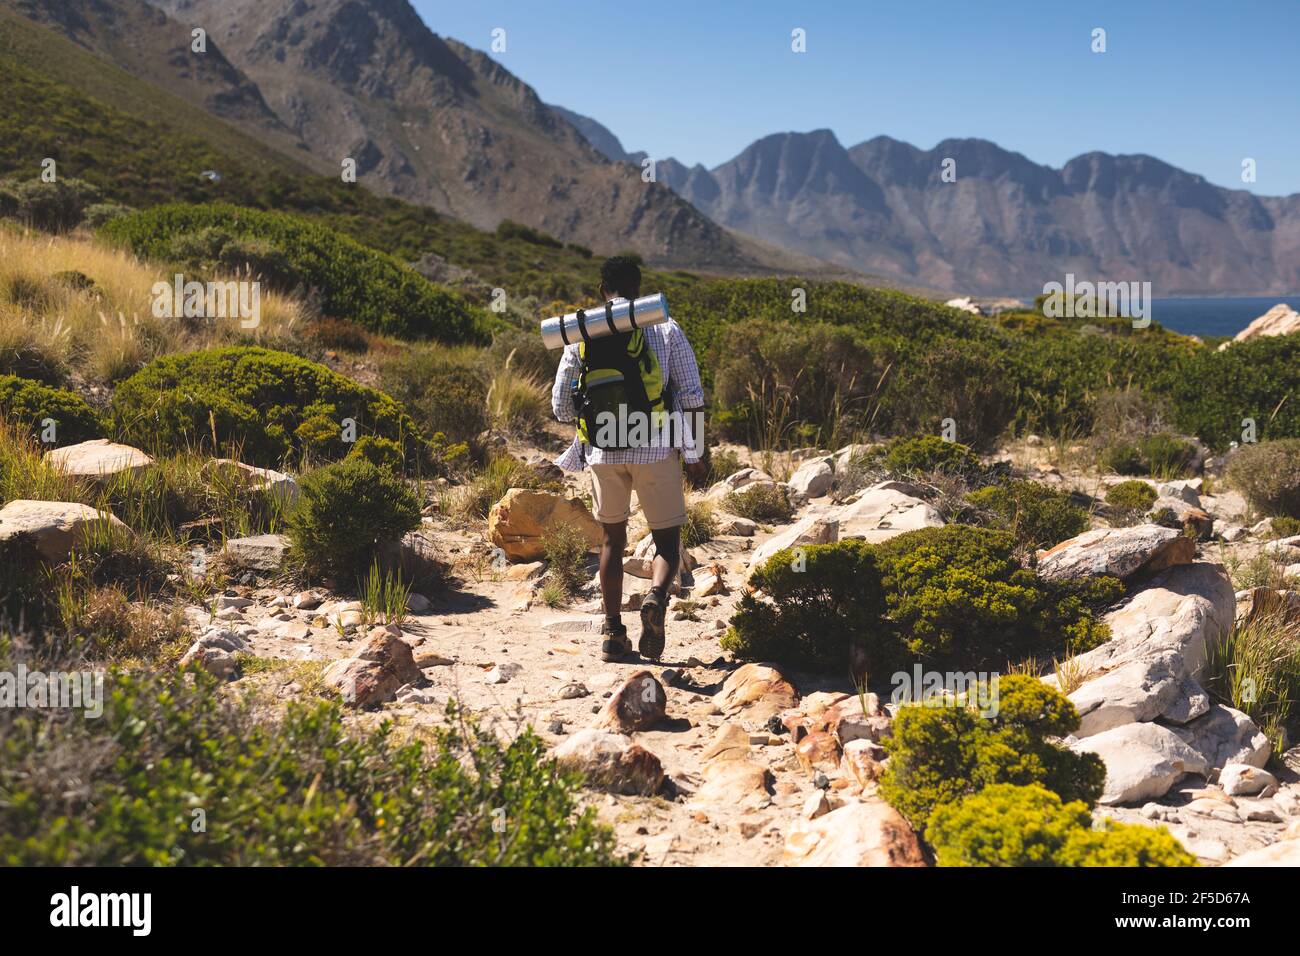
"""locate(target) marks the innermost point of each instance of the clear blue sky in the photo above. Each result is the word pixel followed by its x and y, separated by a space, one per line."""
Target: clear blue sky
pixel 1199 84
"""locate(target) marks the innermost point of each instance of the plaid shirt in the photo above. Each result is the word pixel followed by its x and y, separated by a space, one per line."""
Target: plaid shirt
pixel 681 382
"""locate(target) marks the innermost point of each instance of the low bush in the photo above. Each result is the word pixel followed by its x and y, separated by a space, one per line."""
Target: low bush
pixel 566 556
pixel 52 207
pixel 942 750
pixel 1283 526
pixel 1268 474
pixel 28 405
pixel 760 502
pixel 444 391
pixel 1161 455
pixel 955 596
pixel 1130 499
pixel 809 383
pixel 959 596
pixel 383 453
pixel 1256 669
pixel 1007 825
pixel 346 511
pixel 924 456
pixel 349 280
pixel 1035 515
pixel 302 790
pixel 1215 392
pixel 815 605
pixel 276 407
pixel 700 526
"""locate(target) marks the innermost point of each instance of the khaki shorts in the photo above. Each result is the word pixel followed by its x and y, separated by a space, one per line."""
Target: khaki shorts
pixel 658 488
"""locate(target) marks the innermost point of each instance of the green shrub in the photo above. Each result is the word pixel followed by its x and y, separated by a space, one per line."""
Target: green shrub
pixel 1215 392
pixel 955 596
pixel 27 404
pixel 383 453
pixel 958 596
pixel 964 381
pixel 700 526
pixel 274 406
pixel 350 280
pixel 1035 515
pixel 1006 825
pixel 1268 474
pixel 345 512
pixel 1283 526
pixel 722 463
pixel 941 751
pixel 926 455
pixel 1131 497
pixel 760 502
pixel 823 598
pixel 566 555
pixel 53 207
pixel 305 789
pixel 776 382
pixel 1162 455
pixel 1124 844
pixel 443 392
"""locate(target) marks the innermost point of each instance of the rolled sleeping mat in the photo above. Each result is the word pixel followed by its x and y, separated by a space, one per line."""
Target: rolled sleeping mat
pixel 619 315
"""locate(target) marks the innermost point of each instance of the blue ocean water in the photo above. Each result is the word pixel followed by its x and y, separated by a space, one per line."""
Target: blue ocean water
pixel 1215 316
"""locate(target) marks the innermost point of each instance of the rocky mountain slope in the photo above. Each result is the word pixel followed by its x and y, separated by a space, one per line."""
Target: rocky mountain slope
pixel 148 44
pixel 1005 226
pixel 435 122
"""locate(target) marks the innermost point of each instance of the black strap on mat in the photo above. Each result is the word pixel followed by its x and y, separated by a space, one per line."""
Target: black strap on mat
pixel 631 314
pixel 609 318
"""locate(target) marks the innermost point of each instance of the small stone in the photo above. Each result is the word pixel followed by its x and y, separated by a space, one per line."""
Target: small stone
pixel 573 690
pixel 1239 779
pixel 815 806
pixel 821 781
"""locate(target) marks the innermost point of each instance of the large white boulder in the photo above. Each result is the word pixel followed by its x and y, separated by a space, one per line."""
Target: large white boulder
pixel 1159 640
pixel 813 479
pixel 884 511
pixel 1122 552
pixel 1142 761
pixel 97 458
pixel 54 527
pixel 806 531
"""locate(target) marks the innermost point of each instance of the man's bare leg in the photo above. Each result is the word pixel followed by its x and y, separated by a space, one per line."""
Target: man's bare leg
pixel 663 573
pixel 611 567
pixel 615 643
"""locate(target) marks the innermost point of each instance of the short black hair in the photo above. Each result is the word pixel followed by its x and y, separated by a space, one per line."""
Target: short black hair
pixel 621 274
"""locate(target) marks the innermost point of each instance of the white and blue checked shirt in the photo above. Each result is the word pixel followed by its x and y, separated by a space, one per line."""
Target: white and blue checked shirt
pixel 681 382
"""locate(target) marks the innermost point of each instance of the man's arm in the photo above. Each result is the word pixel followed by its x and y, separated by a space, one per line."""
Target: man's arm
pixel 562 390
pixel 688 392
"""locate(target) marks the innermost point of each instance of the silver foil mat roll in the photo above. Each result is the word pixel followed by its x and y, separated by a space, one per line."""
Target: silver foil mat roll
pixel 561 330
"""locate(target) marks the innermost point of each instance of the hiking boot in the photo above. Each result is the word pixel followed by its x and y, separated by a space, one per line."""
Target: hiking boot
pixel 616 645
pixel 651 643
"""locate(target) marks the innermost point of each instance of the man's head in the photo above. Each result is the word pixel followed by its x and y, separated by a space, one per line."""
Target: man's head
pixel 620 276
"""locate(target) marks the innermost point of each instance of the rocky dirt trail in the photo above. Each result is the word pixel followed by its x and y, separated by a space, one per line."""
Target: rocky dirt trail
pixel 697 759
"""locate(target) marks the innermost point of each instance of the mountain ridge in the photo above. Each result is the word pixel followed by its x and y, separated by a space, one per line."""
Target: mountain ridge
pixel 1007 225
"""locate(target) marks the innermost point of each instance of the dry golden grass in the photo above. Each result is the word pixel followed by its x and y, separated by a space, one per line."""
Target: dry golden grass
pixel 51 325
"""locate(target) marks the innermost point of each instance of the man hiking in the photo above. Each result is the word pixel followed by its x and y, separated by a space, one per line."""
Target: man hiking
pixel 647 373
